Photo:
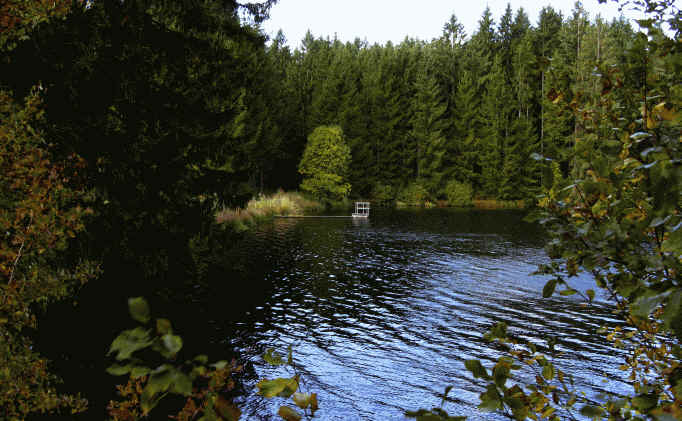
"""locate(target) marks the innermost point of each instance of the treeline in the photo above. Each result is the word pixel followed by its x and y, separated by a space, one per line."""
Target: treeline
pixel 474 109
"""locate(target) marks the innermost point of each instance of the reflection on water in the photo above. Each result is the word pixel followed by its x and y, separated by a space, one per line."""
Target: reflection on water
pixel 383 312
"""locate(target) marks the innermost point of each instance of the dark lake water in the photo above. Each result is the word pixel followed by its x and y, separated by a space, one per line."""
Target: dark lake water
pixel 382 313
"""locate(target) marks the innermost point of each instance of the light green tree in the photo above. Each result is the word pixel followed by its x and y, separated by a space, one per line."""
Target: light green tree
pixel 325 163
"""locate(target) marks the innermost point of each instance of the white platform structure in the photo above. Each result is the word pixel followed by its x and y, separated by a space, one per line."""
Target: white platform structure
pixel 361 210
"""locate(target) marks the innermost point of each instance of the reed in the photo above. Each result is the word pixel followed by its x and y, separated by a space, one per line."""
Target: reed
pixel 267 206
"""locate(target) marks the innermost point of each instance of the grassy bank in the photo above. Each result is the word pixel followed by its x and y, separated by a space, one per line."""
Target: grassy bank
pixel 475 203
pixel 265 207
pixel 499 204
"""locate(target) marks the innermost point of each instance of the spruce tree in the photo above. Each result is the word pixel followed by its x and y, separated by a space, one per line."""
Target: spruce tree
pixel 494 112
pixel 463 154
pixel 427 131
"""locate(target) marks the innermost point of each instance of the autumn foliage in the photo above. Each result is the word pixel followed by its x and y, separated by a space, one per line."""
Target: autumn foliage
pixel 40 212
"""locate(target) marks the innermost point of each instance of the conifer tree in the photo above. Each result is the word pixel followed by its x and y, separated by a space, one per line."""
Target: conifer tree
pixel 505 38
pixel 494 111
pixel 463 154
pixel 427 130
pixel 546 41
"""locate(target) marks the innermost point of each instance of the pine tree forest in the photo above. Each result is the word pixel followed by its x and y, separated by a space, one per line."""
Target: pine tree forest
pixel 475 108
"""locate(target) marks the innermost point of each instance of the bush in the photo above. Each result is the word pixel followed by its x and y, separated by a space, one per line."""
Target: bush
pixel 383 194
pixel 415 194
pixel 459 194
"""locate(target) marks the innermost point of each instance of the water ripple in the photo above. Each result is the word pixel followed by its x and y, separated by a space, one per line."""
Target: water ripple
pixel 383 313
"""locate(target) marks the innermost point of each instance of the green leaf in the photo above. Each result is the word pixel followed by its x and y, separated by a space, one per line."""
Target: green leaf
pixel 220 365
pixel 568 292
pixel 673 244
pixel 182 384
pixel 273 358
pixel 172 343
pixel 148 401
pixel 549 288
pixel 490 399
pixel 165 379
pixel 138 372
pixel 119 370
pixel 644 403
pixel 289 414
pixel 161 379
pixel 159 382
pixel 499 331
pixel 290 355
pixel 139 309
pixel 198 371
pixel 130 341
pixel 278 387
pixel 477 369
pixel 501 373
pixel 645 304
pixel 201 359
pixel 548 371
pixel 591 411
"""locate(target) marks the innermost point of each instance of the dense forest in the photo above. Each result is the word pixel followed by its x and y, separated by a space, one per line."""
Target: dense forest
pixel 472 108
pixel 125 125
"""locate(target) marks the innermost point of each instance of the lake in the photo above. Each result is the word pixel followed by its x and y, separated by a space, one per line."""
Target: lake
pixel 382 313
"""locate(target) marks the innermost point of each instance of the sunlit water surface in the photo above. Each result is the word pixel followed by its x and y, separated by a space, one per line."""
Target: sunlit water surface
pixel 382 313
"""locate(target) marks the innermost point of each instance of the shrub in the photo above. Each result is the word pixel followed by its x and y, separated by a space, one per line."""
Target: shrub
pixel 383 194
pixel 414 194
pixel 459 194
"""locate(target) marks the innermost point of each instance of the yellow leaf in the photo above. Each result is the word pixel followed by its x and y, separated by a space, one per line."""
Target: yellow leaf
pixel 278 387
pixel 288 414
pixel 664 111
pixel 650 122
pixel 302 400
pixel 547 412
pixel 227 409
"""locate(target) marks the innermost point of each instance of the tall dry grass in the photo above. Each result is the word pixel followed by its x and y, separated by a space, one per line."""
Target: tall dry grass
pixel 263 207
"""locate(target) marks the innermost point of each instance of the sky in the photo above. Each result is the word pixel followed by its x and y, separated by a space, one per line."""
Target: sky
pixel 379 21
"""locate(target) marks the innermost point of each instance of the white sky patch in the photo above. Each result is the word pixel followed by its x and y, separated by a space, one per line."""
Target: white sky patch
pixel 379 21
